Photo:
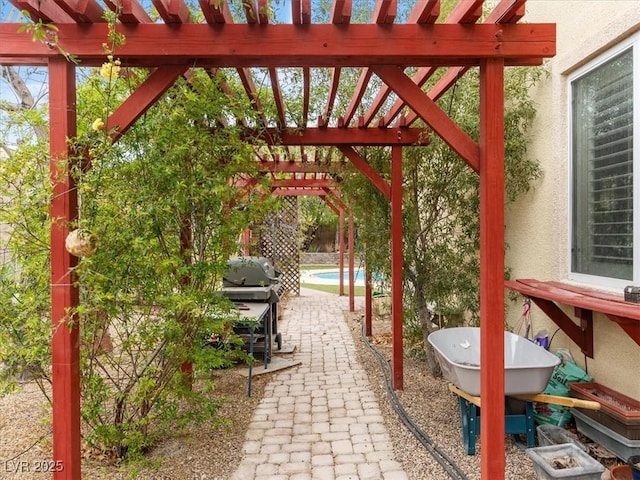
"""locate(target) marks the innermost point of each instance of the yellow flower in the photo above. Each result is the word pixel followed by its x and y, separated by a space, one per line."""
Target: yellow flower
pixel 98 124
pixel 110 70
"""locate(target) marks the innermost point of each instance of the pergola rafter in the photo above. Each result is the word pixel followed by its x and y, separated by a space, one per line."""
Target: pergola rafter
pixel 225 46
pixel 333 136
pixel 299 167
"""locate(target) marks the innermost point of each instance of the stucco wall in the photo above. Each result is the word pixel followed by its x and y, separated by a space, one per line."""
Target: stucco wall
pixel 537 226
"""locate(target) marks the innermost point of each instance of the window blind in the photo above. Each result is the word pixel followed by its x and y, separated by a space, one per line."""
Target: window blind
pixel 603 169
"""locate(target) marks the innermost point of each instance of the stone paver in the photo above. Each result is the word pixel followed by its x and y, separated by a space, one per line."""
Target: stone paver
pixel 319 420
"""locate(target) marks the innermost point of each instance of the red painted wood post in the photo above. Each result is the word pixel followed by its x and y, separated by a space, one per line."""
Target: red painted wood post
pixel 368 301
pixel 65 346
pixel 396 267
pixel 492 420
pixel 186 247
pixel 352 256
pixel 246 242
pixel 341 249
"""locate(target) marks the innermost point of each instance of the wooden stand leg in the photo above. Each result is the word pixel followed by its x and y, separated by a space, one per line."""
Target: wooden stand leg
pixel 516 424
pixel 470 425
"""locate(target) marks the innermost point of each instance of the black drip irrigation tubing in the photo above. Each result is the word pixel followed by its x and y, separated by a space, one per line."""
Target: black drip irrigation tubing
pixel 449 465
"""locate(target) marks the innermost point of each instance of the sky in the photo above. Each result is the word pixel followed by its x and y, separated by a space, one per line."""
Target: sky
pixel 8 13
pixel 281 8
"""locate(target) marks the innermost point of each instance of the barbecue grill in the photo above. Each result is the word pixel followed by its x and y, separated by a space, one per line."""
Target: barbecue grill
pixel 250 272
pixel 254 279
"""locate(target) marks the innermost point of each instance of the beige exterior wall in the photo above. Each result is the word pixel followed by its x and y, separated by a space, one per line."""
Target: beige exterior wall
pixel 538 225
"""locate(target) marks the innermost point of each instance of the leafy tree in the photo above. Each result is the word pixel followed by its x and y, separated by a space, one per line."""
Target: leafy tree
pixel 24 228
pixel 160 204
pixel 440 208
pixel 314 214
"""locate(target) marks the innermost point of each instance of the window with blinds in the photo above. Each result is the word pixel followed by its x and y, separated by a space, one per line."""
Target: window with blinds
pixel 602 135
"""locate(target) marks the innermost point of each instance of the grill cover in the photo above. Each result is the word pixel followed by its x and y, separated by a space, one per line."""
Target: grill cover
pixel 250 272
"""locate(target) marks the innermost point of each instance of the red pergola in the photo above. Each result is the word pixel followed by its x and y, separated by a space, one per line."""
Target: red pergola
pixel 382 48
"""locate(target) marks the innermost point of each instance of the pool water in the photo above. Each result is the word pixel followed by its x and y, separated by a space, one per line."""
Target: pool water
pixel 359 275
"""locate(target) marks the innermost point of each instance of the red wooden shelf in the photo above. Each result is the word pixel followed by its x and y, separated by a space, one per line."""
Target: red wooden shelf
pixel 585 301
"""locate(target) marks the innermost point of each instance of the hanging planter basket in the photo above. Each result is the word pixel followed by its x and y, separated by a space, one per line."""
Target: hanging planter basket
pixel 81 243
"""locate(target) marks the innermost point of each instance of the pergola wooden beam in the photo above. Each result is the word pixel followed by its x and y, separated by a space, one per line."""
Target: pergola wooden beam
pixel 303 183
pixel 330 204
pixel 284 191
pixel 241 45
pixel 303 17
pixel 507 11
pixel 384 12
pixel 340 15
pixel 129 11
pixel 424 11
pixel 361 86
pixel 375 137
pixel 48 12
pixel 366 169
pixel 142 99
pixel 86 11
pixel 172 11
pixel 335 197
pixel 431 113
pixel 218 13
pixel 300 167
pixel 341 11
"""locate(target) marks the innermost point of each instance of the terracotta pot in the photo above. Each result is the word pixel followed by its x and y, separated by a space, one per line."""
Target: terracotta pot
pixel 621 472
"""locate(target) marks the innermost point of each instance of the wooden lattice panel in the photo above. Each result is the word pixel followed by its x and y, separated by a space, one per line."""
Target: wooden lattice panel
pixel 279 243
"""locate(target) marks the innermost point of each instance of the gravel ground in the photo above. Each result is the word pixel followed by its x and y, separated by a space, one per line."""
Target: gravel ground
pixel 433 408
pixel 214 452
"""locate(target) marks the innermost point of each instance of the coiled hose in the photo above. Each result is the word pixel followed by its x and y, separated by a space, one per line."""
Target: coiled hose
pixel 449 465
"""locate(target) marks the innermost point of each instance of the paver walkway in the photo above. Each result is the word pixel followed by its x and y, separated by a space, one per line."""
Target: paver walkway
pixel 319 420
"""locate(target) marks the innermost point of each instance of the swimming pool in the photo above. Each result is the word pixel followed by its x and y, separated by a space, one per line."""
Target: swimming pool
pixel 359 275
pixel 330 277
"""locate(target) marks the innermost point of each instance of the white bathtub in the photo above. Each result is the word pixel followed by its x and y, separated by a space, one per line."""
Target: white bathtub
pixel 527 370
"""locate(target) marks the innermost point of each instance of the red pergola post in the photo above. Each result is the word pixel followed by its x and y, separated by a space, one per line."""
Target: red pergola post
pixel 246 241
pixel 352 256
pixel 186 246
pixel 65 347
pixel 341 249
pixel 396 267
pixel 492 420
pixel 368 301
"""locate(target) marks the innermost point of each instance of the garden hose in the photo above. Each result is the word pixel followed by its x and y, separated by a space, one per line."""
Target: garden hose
pixel 449 465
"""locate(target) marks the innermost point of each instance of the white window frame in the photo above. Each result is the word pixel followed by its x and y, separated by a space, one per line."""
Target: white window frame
pixel 632 42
